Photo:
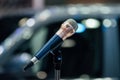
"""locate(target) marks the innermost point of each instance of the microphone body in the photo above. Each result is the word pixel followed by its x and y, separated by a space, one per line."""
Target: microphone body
pixel 67 29
pixel 50 45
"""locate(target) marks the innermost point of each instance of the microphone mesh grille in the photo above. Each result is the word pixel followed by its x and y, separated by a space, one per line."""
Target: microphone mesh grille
pixel 73 23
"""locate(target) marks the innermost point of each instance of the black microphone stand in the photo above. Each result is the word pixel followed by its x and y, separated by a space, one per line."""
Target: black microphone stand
pixel 57 61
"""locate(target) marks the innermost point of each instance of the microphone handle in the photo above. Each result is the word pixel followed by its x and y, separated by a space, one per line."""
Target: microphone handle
pixel 52 44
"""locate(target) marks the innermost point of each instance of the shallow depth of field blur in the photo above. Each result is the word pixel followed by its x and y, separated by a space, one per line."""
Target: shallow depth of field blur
pixel 92 53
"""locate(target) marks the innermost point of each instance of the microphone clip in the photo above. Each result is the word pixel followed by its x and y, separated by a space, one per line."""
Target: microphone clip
pixel 57 58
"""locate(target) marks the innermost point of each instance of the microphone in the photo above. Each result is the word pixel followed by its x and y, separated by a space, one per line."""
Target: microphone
pixel 66 30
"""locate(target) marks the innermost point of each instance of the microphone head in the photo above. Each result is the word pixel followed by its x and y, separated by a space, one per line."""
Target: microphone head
pixel 68 28
pixel 73 23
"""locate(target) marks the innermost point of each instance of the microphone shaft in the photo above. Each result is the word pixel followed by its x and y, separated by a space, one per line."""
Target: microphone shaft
pixel 50 45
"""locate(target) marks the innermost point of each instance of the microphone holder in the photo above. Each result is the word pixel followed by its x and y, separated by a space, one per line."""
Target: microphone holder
pixel 57 61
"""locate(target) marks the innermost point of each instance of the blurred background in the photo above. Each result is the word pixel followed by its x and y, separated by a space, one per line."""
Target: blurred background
pixel 92 53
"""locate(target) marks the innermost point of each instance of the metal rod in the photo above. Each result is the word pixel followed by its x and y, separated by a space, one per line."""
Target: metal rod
pixel 57 74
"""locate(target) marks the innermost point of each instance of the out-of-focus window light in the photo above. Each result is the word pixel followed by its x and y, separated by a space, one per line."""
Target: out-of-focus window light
pixel 1 49
pixel 72 10
pixel 44 15
pixel 98 79
pixel 25 57
pixel 109 23
pixel 42 75
pixel 68 43
pixel 106 78
pixel 105 10
pixel 85 10
pixel 22 22
pixel 27 34
pixel 85 76
pixel 81 28
pixel 91 23
pixel 30 22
